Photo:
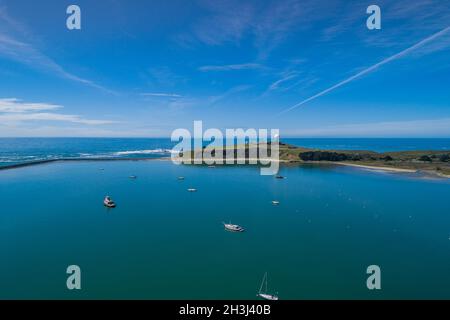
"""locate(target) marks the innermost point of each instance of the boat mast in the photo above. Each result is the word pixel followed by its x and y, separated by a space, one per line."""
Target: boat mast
pixel 267 280
pixel 262 283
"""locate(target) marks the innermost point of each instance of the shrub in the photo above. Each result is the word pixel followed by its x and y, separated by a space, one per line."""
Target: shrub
pixel 444 158
pixel 425 158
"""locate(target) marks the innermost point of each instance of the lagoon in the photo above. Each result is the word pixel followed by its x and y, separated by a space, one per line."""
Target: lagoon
pixel 163 242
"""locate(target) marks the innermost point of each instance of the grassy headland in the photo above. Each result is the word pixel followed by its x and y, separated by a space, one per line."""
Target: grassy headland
pixel 427 161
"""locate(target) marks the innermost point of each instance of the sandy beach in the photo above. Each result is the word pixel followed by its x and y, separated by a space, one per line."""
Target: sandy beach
pixel 375 168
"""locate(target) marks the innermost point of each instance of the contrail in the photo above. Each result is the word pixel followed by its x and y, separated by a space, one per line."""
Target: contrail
pixel 370 69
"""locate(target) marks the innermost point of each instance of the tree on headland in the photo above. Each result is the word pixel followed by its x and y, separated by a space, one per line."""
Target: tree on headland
pixel 425 158
pixel 444 158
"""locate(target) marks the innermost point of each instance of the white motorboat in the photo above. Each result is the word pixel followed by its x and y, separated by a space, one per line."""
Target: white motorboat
pixel 192 190
pixel 108 202
pixel 275 202
pixel 233 227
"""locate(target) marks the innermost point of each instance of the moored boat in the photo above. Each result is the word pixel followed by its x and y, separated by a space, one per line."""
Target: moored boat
pixel 233 227
pixel 108 202
pixel 263 294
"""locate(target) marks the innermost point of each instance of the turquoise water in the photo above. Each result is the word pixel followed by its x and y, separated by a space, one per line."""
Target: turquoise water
pixel 162 242
pixel 21 150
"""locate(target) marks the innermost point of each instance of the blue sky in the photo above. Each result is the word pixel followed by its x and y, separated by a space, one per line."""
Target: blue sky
pixel 145 68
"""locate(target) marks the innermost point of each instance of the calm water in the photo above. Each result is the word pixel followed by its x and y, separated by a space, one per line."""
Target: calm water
pixel 164 242
pixel 20 150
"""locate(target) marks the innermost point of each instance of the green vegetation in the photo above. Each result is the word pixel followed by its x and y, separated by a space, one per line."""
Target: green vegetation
pixel 429 162
pixel 432 162
pixel 437 162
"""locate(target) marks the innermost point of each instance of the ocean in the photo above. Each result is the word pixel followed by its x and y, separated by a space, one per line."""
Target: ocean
pixel 163 242
pixel 22 150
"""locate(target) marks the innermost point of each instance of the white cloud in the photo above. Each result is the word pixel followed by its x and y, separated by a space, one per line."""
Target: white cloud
pixel 372 68
pixel 275 85
pixel 13 111
pixel 229 67
pixel 161 94
pixel 17 106
pixel 13 47
pixel 411 128
pixel 213 100
pixel 21 117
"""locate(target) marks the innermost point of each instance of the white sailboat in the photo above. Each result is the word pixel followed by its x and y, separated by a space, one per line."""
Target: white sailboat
pixel 264 294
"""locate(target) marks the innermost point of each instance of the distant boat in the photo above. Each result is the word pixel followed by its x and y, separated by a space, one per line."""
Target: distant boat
pixel 133 177
pixel 233 227
pixel 275 202
pixel 108 202
pixel 192 190
pixel 279 177
pixel 264 294
pixel 180 178
pixel 211 166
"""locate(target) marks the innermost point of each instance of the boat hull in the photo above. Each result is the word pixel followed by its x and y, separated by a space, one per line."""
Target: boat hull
pixel 267 296
pixel 234 230
pixel 109 204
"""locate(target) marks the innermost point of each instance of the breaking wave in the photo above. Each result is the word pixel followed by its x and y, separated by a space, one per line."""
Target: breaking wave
pixel 151 151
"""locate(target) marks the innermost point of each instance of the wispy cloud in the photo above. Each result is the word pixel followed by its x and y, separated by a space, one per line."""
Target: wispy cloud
pixel 276 21
pixel 216 99
pixel 22 51
pixel 223 21
pixel 14 110
pixel 161 94
pixel 408 128
pixel 265 24
pixel 22 117
pixel 162 77
pixel 371 68
pixel 230 67
pixel 275 85
pixel 14 105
